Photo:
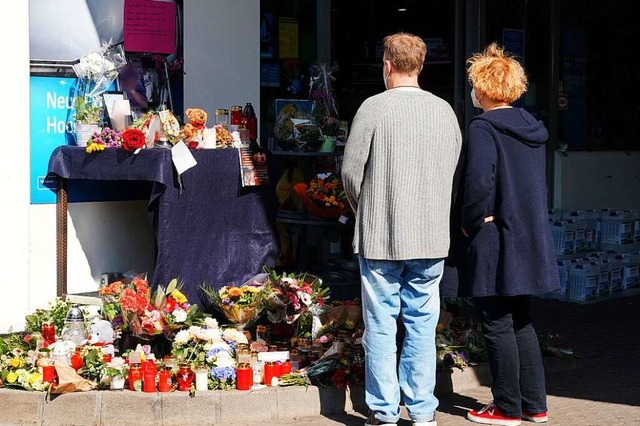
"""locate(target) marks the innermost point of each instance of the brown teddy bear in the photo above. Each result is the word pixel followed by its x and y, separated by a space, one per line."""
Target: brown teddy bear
pixel 197 119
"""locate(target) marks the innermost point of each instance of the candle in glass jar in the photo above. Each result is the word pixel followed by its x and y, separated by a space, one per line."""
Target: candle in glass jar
pixel 149 382
pixel 244 377
pixel 286 367
pixel 236 115
pixel 164 381
pixel 269 372
pixel 135 376
pixel 48 373
pixel 258 371
pixel 201 377
pixel 184 377
pixel 48 332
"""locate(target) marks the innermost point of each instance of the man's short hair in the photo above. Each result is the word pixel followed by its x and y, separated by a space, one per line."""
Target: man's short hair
pixel 406 52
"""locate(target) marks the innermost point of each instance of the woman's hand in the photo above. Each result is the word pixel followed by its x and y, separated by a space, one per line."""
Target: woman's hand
pixel 486 219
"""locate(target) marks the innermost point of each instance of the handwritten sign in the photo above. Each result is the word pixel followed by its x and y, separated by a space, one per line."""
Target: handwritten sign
pixel 149 26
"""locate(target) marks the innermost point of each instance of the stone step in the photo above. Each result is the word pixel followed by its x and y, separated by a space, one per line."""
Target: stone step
pixel 103 408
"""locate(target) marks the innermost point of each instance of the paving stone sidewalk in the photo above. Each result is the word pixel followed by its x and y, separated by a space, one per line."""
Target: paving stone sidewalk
pixel 599 387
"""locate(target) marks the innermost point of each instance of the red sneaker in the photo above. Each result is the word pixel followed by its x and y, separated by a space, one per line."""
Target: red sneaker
pixel 491 415
pixel 535 417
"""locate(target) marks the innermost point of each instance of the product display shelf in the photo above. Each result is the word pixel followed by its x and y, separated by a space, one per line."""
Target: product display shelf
pixel 302 218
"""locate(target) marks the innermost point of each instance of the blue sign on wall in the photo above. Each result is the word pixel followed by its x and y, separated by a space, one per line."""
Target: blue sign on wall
pixel 51 105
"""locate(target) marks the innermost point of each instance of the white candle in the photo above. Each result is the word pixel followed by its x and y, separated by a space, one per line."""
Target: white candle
pixel 201 380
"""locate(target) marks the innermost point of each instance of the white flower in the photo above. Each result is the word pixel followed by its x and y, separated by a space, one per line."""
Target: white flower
pixel 207 347
pixel 179 315
pixel 210 334
pixel 182 337
pixel 231 334
pixel 116 363
pixel 225 360
pixel 305 298
pixel 211 322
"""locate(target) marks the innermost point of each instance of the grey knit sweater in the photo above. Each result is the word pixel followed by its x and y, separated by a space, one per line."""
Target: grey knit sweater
pixel 397 172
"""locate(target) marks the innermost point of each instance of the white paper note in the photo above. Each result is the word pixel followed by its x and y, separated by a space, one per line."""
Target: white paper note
pixel 182 158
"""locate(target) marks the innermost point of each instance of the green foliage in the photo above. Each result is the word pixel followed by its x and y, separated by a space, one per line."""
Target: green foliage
pixel 56 315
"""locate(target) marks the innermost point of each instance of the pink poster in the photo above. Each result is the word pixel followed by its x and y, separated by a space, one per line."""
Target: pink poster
pixel 149 26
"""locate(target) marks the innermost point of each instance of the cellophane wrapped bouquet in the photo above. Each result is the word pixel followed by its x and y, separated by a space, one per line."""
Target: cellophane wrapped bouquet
pixel 290 295
pixel 241 305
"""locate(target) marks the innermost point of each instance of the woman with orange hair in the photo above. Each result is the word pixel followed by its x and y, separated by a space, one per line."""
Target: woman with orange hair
pixel 509 248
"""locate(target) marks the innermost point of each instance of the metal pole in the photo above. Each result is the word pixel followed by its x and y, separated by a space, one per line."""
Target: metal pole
pixel 61 237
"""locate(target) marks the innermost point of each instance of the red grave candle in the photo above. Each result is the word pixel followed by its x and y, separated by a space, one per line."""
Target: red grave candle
pixel 244 376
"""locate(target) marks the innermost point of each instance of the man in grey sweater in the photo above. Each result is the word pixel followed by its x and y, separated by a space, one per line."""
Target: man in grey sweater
pixel 398 170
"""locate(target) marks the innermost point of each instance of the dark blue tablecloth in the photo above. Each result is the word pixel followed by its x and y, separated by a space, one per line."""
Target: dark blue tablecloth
pixel 212 232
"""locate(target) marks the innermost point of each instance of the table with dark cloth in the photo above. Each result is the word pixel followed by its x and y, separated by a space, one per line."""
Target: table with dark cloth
pixel 210 230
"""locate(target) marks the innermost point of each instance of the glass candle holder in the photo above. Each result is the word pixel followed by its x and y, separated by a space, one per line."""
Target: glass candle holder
pixel 135 377
pixel 202 374
pixel 48 332
pixel 269 372
pixel 244 377
pixel 164 382
pixel 184 377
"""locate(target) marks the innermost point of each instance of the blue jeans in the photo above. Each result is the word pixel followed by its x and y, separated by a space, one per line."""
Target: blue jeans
pixel 409 288
pixel 514 354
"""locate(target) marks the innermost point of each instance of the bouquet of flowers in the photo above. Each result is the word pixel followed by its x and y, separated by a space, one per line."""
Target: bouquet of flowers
pixel 106 138
pixel 128 307
pixel 212 346
pixel 239 304
pixel 324 196
pixel 96 72
pixel 335 370
pixel 176 310
pixel 289 295
pixel 135 308
pixel 18 369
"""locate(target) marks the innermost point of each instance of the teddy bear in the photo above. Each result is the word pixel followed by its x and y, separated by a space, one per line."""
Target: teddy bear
pixel 193 130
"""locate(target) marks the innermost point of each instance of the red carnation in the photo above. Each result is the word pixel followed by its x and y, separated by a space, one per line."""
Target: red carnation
pixel 133 139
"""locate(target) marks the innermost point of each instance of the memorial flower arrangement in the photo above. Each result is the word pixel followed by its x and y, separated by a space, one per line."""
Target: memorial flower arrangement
pixel 212 346
pixel 105 138
pixel 176 310
pixel 239 304
pixel 18 369
pixel 335 370
pixel 289 295
pixel 133 307
pixel 96 72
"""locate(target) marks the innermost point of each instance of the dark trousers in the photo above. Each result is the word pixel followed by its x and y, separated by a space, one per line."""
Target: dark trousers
pixel 514 354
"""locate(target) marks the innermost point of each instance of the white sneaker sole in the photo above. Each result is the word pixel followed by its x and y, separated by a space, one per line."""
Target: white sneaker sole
pixel 536 419
pixel 485 421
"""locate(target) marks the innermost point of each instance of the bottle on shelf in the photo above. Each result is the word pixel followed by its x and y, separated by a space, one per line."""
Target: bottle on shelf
pixel 250 121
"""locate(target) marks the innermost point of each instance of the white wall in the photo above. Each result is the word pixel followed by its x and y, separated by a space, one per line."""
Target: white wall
pixel 14 166
pixel 221 54
pixel 222 62
pixel 597 180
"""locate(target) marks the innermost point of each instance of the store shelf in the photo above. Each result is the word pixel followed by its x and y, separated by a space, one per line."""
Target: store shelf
pixel 302 218
pixel 305 153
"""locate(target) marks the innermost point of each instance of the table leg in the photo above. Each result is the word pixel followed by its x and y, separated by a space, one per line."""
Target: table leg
pixel 61 237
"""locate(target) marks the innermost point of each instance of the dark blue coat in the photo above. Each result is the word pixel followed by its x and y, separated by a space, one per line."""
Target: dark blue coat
pixel 503 175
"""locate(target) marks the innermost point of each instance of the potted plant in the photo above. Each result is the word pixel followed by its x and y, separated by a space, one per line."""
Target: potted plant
pixel 329 127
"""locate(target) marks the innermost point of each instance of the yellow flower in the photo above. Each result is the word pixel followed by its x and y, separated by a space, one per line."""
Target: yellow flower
pixel 34 377
pixel 440 328
pixel 16 363
pixel 94 147
pixel 178 296
pixel 12 377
